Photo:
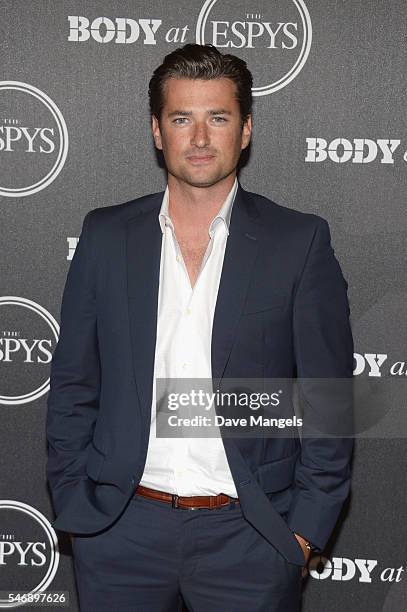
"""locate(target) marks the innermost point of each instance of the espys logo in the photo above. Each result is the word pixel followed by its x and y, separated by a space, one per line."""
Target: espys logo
pixel 356 151
pixel 343 569
pixel 28 335
pixel 29 554
pixel 33 139
pixel 275 38
pixel 278 34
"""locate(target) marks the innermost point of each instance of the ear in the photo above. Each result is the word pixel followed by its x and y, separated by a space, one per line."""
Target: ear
pixel 246 132
pixel 155 127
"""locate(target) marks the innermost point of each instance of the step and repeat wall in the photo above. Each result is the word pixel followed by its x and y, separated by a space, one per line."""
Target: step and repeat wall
pixel 329 138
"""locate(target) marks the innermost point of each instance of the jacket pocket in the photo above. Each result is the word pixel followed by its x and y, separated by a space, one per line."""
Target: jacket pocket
pixel 260 303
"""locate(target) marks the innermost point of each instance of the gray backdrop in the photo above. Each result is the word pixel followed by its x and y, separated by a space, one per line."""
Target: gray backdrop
pixel 329 138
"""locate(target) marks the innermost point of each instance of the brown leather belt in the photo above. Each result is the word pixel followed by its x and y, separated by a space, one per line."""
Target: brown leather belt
pixel 191 503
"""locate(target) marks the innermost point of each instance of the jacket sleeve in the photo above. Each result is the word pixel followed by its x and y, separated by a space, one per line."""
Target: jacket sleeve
pixel 323 347
pixel 73 399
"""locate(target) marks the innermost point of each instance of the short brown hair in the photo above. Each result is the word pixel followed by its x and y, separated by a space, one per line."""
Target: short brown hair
pixel 194 61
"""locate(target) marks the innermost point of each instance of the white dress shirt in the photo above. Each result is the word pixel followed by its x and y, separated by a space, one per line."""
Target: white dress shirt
pixel 187 466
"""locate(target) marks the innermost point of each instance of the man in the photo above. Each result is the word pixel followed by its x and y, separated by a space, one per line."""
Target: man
pixel 204 280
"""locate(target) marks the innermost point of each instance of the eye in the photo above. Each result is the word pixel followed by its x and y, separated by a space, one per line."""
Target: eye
pixel 222 119
pixel 179 120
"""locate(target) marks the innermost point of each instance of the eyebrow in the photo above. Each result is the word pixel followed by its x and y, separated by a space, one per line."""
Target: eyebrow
pixel 220 111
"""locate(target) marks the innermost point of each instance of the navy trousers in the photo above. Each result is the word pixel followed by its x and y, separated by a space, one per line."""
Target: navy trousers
pixel 153 553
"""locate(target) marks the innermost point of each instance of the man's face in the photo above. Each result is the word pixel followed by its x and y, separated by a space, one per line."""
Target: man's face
pixel 200 130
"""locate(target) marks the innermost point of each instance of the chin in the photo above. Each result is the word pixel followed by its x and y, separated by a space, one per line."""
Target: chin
pixel 197 181
pixel 202 179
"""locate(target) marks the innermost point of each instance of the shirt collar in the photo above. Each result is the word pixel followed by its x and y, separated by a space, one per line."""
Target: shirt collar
pixel 223 215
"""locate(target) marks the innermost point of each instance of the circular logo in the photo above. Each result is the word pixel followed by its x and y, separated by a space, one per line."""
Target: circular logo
pixel 33 139
pixel 275 39
pixel 29 551
pixel 28 334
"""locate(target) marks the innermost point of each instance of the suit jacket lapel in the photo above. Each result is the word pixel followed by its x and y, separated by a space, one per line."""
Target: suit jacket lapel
pixel 240 254
pixel 143 249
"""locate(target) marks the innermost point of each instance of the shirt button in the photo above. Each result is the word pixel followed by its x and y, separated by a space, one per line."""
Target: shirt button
pixel 189 311
pixel 184 366
pixel 178 259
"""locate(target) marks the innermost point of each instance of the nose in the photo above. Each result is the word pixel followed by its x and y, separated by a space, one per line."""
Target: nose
pixel 200 135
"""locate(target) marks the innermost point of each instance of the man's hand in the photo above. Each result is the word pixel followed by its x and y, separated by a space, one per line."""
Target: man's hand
pixel 305 550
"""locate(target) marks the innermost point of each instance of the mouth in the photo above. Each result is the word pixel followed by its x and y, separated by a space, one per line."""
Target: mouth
pixel 200 159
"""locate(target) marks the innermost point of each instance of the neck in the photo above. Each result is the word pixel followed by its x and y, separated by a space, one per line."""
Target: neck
pixel 194 208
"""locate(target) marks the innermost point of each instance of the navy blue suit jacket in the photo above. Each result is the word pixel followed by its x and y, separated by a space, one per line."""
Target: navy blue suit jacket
pixel 281 311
